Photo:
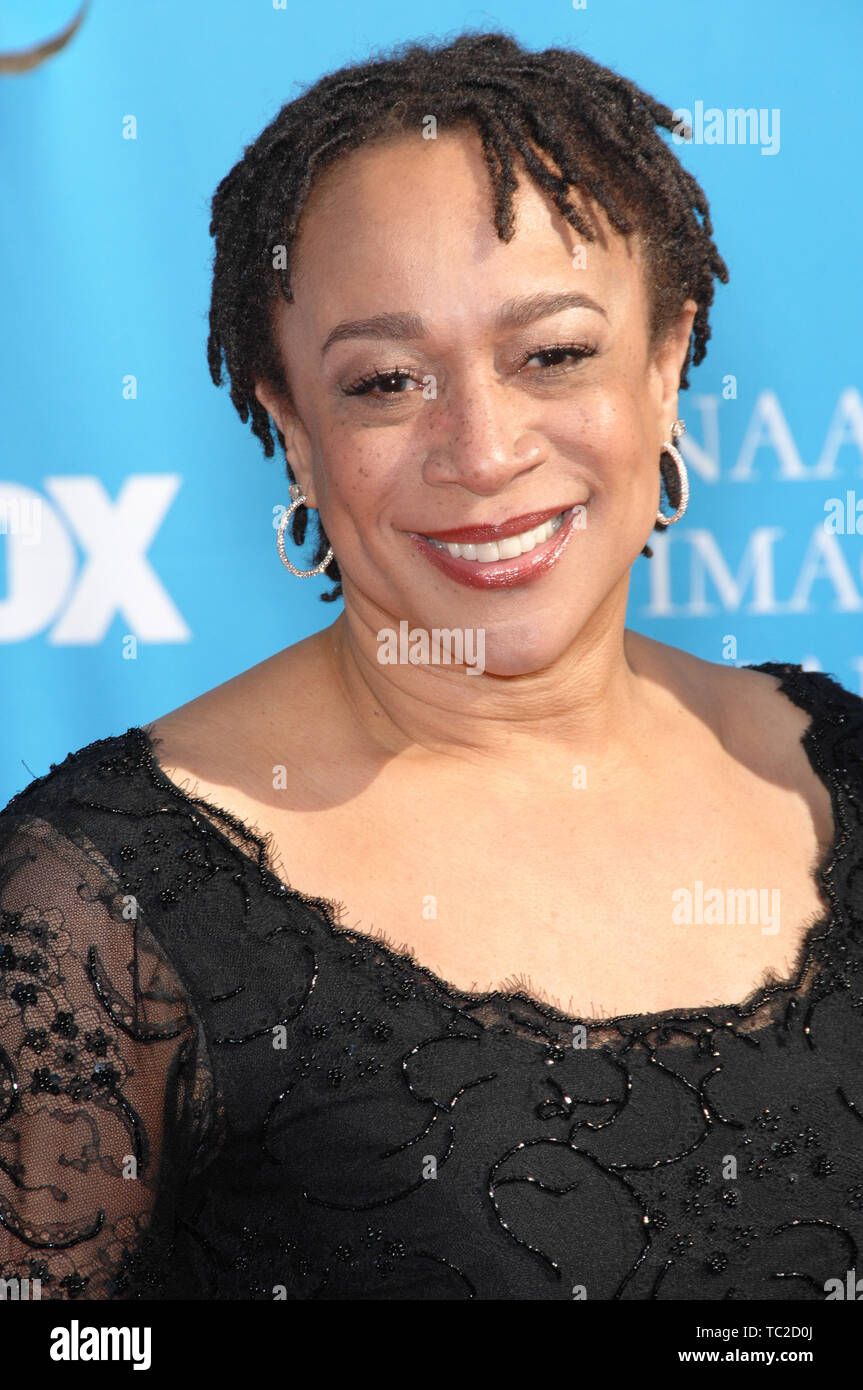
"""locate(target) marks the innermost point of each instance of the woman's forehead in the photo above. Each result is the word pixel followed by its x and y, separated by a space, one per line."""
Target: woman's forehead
pixel 407 170
pixel 408 213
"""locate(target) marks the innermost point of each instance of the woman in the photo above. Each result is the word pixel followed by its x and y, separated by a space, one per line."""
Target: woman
pixel 531 974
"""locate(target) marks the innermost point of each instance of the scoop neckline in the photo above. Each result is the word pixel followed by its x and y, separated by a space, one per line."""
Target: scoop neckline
pixel 823 876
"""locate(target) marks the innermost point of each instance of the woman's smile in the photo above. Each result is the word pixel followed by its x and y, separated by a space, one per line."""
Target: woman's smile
pixel 515 557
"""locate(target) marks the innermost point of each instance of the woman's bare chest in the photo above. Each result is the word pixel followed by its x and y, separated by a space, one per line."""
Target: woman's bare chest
pixel 671 882
pixel 634 908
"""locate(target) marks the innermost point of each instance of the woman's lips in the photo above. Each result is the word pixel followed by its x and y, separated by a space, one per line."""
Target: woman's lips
pixel 478 534
pixel 497 574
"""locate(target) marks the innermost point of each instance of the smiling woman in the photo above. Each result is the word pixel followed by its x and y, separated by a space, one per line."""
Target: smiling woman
pixel 357 978
pixel 596 164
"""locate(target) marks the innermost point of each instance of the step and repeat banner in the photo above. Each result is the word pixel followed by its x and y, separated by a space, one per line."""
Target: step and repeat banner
pixel 138 558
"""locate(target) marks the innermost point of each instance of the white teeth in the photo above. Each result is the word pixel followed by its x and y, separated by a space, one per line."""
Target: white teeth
pixel 507 549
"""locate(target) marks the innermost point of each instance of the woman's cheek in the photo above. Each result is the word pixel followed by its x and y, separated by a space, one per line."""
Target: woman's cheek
pixel 356 493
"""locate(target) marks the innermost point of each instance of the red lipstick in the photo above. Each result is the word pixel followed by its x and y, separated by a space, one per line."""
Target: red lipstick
pixel 476 535
pixel 500 574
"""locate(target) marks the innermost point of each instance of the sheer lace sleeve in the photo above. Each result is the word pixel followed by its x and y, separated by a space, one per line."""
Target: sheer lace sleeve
pixel 105 1087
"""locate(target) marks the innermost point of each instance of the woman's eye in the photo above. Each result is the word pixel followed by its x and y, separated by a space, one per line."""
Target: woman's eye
pixel 388 383
pixel 574 353
pixel 380 384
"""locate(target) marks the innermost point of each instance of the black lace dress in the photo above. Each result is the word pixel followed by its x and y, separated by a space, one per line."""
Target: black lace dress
pixel 210 1090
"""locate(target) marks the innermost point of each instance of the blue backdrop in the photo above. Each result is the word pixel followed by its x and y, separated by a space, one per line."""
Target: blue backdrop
pixel 139 564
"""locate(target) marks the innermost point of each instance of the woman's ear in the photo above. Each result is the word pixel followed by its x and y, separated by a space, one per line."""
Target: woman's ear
pixel 297 449
pixel 669 358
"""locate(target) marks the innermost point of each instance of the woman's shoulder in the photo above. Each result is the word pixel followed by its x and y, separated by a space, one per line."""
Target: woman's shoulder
pixel 744 695
pixel 112 765
pixel 123 768
pixel 131 807
pixel 761 712
pixel 280 712
pixel 66 834
pixel 818 712
pixel 816 704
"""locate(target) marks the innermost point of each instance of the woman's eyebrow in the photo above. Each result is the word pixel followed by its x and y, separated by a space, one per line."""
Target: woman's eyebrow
pixel 513 313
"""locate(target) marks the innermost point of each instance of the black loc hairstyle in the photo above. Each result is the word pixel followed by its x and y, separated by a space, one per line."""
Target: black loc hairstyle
pixel 600 130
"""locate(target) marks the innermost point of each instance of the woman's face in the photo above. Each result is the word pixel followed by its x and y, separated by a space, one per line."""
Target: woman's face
pixel 425 403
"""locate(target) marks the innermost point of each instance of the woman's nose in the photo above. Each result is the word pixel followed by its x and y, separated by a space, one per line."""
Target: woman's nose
pixel 481 443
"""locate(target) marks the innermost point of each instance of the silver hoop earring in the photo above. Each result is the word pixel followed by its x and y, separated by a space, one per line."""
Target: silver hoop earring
pixel 299 498
pixel 677 429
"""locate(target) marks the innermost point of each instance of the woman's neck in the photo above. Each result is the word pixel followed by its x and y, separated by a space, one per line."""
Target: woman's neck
pixel 595 698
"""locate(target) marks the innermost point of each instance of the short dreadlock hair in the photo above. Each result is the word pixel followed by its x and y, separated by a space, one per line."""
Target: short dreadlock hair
pixel 600 130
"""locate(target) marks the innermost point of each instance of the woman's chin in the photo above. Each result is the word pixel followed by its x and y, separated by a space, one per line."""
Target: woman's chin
pixel 519 661
pixel 521 652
